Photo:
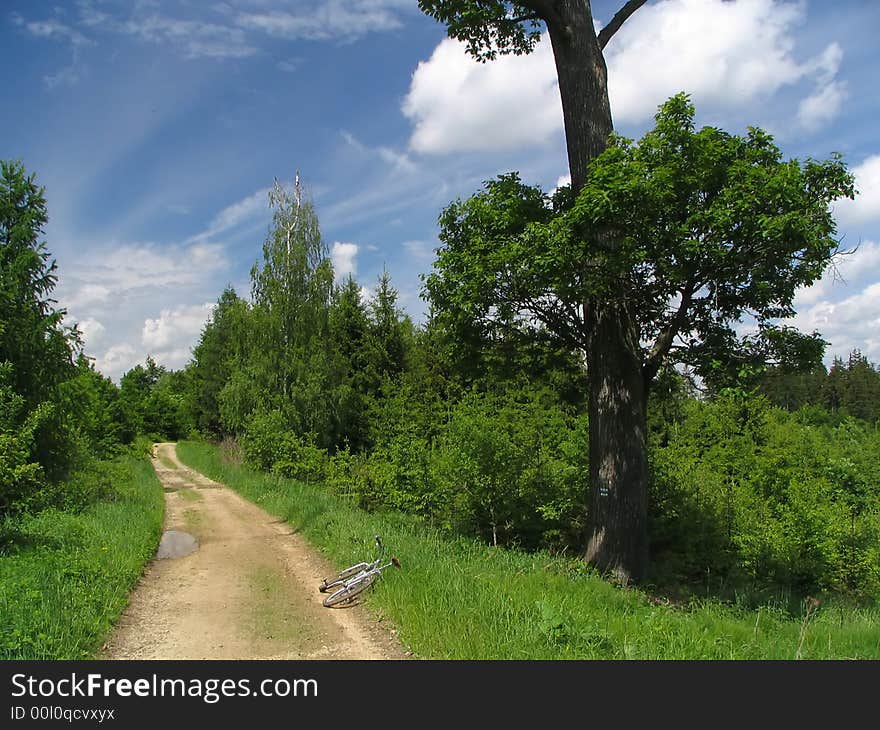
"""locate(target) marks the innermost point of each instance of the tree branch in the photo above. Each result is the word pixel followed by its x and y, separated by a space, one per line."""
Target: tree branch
pixel 666 338
pixel 523 18
pixel 542 8
pixel 620 17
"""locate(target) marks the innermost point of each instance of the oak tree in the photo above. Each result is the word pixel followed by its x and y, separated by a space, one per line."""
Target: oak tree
pixel 666 247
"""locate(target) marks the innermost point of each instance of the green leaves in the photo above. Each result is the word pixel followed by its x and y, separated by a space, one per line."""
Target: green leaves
pixel 693 229
pixel 487 27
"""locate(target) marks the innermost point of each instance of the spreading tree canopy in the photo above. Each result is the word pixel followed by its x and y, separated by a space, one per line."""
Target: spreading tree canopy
pixel 688 232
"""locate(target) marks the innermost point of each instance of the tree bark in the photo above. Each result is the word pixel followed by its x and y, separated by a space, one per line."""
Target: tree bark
pixel 617 541
pixel 617 530
pixel 583 85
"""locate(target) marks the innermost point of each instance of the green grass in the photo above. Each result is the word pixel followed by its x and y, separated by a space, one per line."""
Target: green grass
pixel 457 599
pixel 66 577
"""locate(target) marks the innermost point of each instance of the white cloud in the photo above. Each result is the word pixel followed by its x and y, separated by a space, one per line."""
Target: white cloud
pixel 343 256
pixel 196 39
pixel 866 206
pixel 346 19
pixel 725 53
pixel 844 305
pixel 824 104
pixel 458 104
pixel 821 107
pixel 122 268
pixel 116 360
pixel 291 65
pixel 92 331
pixel 86 295
pixel 55 29
pixel 850 270
pixel 852 323
pixel 173 326
pixel 246 210
pixel 399 161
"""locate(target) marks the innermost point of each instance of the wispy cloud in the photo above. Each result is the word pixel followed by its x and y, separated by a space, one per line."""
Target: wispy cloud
pixel 229 30
pixel 54 29
pixel 195 38
pixel 333 19
pixel 250 209
pixel 397 160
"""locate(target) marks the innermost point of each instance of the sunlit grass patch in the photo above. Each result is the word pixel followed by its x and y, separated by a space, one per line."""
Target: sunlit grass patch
pixel 66 577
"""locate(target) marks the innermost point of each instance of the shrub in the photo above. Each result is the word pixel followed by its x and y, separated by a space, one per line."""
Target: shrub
pixel 748 491
pixel 513 470
pixel 270 445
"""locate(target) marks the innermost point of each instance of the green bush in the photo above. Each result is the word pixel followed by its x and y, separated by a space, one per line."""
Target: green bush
pixel 747 491
pixel 512 469
pixel 263 440
pixel 270 445
pixel 398 476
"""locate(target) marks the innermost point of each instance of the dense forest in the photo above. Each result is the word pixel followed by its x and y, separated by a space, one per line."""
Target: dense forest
pixel 763 476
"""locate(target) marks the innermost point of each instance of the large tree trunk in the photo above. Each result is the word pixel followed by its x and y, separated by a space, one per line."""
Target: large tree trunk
pixel 617 542
pixel 583 85
pixel 617 539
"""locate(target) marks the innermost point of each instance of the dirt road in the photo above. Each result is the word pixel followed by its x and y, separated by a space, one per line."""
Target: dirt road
pixel 248 591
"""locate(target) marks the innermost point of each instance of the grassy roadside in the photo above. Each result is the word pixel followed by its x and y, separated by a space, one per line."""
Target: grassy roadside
pixel 456 599
pixel 66 577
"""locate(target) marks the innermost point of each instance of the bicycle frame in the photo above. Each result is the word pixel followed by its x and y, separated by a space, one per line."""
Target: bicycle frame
pixel 355 571
pixel 352 581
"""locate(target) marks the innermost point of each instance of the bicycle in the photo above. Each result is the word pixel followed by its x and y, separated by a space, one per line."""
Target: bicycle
pixel 353 581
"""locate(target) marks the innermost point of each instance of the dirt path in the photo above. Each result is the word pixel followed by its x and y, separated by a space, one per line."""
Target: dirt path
pixel 248 592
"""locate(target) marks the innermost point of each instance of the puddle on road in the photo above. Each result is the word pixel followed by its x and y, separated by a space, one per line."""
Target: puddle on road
pixel 176 544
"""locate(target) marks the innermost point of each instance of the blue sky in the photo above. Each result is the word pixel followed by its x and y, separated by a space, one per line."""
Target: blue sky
pixel 157 127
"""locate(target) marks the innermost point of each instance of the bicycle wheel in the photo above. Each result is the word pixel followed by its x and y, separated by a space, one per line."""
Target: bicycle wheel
pixel 342 577
pixel 350 590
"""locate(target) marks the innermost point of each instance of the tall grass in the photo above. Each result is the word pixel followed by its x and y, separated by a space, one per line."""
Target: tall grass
pixel 65 577
pixel 457 599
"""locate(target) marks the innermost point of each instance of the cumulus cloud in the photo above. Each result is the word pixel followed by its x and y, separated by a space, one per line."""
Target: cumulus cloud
pixel 86 295
pixel 866 207
pixel 92 331
pixel 116 360
pixel 457 104
pixel 724 53
pixel 173 326
pixel 343 256
pixel 844 305
pixel 118 292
